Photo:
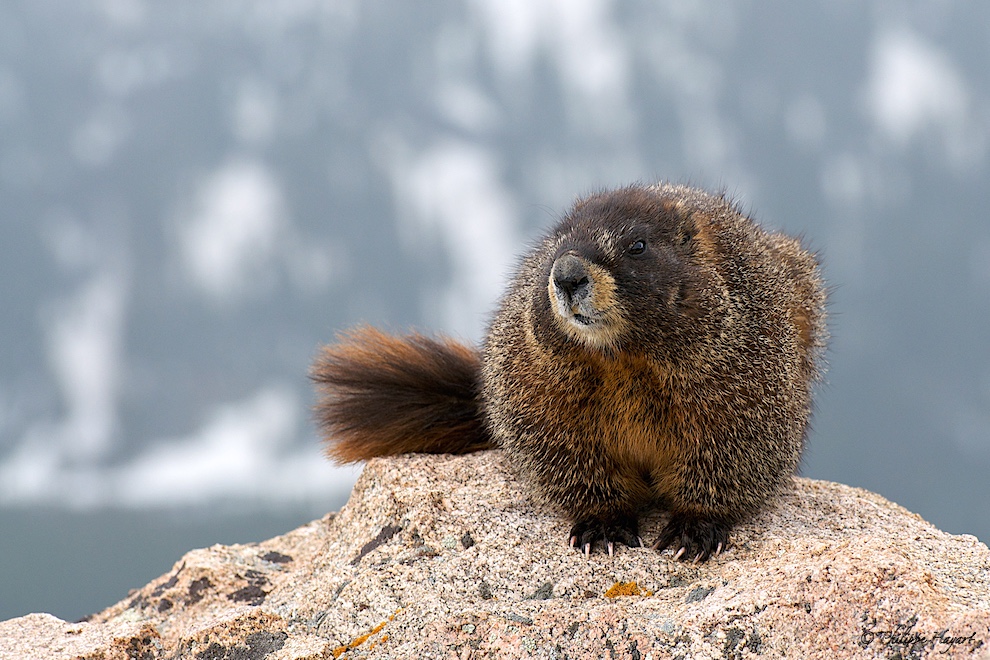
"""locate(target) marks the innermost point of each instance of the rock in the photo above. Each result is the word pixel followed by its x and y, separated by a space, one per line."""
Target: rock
pixel 447 557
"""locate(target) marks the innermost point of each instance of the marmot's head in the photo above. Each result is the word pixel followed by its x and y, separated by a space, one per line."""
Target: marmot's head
pixel 624 271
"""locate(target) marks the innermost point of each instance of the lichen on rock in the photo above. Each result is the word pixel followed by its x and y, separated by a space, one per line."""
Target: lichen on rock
pixel 443 556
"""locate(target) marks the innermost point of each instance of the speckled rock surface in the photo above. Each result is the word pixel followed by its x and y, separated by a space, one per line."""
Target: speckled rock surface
pixel 447 557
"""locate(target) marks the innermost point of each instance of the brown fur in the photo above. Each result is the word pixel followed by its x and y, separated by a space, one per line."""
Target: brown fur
pixel 657 348
pixel 380 395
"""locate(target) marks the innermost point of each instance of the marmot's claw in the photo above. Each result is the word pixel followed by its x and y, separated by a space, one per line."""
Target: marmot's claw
pixel 586 532
pixel 696 538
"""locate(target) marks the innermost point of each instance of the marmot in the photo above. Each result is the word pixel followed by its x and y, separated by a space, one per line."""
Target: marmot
pixel 656 348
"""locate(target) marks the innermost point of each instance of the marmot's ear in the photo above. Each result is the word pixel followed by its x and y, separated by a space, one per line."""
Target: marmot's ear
pixel 689 300
pixel 687 222
pixel 688 229
pixel 691 225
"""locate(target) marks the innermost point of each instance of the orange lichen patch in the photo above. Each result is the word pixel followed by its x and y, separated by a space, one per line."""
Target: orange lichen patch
pixel 626 589
pixel 358 641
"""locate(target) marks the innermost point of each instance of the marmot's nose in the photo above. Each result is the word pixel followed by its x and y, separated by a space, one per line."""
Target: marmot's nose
pixel 570 277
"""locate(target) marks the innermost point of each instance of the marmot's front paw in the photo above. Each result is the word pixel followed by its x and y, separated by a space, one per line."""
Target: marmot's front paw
pixel 623 529
pixel 693 538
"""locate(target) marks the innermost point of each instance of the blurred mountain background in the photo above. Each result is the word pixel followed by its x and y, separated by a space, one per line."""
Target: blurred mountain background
pixel 195 195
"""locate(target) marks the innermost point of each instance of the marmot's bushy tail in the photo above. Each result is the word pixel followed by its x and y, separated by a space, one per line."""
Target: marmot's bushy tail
pixel 380 395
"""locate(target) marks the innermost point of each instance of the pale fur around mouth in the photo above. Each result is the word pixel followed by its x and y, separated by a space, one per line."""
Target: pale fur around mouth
pixel 595 319
pixel 577 314
pixel 596 328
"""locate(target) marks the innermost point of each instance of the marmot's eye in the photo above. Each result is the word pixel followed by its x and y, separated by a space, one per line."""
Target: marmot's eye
pixel 639 247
